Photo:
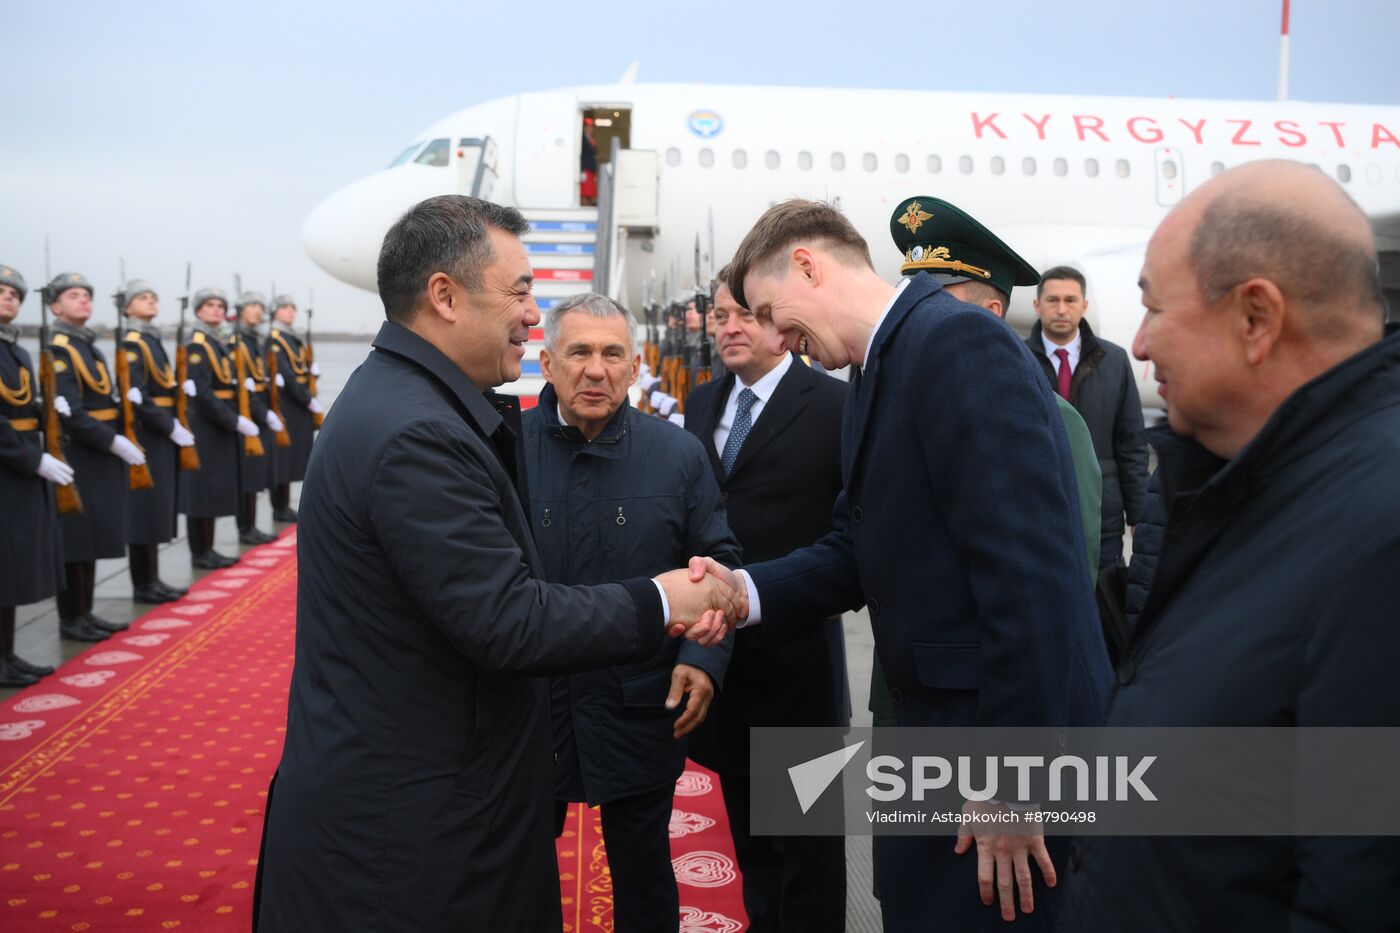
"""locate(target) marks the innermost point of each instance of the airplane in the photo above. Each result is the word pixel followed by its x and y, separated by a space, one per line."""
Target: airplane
pixel 1080 181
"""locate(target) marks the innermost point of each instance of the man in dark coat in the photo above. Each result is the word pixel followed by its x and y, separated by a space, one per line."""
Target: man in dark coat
pixel 254 470
pixel 1275 593
pixel 780 477
pixel 415 790
pixel 96 450
pixel 299 407
pixel 29 547
pixel 219 431
pixel 1096 378
pixel 958 527
pixel 150 513
pixel 617 494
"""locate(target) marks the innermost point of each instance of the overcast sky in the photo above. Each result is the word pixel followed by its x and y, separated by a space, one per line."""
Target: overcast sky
pixel 167 131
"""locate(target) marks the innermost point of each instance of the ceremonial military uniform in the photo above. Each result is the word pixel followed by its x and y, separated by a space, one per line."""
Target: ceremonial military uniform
pixel 289 463
pixel 254 471
pixel 212 490
pixel 151 513
pixel 90 431
pixel 29 542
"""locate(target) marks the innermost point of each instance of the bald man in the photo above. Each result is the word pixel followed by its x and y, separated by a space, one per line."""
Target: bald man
pixel 1276 591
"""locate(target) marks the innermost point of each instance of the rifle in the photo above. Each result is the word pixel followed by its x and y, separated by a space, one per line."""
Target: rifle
pixel 138 477
pixel 308 354
pixel 189 456
pixel 69 502
pixel 702 305
pixel 274 399
pixel 252 446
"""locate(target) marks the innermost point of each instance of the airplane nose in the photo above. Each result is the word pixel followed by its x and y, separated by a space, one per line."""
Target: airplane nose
pixel 343 233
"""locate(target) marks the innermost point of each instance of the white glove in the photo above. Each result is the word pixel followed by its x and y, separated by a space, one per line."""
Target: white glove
pixel 189 388
pixel 60 405
pixel 644 372
pixel 247 428
pixel 128 451
pixel 250 385
pixel 677 419
pixel 54 470
pixel 314 406
pixel 274 422
pixel 315 370
pixel 664 404
pixel 281 383
pixel 133 395
pixel 181 435
pixel 648 383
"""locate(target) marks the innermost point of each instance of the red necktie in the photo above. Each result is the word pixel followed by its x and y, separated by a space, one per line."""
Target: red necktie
pixel 1064 373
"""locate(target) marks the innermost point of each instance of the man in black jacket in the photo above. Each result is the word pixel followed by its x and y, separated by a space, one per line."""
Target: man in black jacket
pixel 1096 378
pixel 1276 586
pixel 772 430
pixel 415 787
pixel 617 494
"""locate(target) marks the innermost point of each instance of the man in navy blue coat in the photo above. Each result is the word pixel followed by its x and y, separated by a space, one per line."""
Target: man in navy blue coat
pixel 958 529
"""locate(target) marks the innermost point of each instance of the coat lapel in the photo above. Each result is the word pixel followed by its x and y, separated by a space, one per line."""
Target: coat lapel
pixel 787 402
pixel 865 387
pixel 707 419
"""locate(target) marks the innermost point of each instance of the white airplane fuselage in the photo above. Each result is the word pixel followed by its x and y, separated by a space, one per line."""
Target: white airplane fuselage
pixel 1076 180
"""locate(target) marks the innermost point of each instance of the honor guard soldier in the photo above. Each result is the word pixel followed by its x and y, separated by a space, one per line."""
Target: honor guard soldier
pixel 299 406
pixel 151 513
pixel 219 431
pixel 98 452
pixel 29 543
pixel 250 366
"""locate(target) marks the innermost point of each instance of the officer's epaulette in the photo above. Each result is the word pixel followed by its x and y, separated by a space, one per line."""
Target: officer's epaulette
pixel 133 335
pixel 60 340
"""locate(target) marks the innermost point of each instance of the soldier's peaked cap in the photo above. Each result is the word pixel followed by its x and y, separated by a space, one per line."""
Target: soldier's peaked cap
pixel 941 238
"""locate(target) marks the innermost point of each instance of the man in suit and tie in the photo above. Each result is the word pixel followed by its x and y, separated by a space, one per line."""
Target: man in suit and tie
pixel 772 427
pixel 957 527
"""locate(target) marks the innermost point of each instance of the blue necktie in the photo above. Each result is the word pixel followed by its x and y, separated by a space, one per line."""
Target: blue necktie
pixel 739 432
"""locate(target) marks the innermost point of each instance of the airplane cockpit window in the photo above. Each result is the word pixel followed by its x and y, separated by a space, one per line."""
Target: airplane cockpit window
pixel 435 154
pixel 406 155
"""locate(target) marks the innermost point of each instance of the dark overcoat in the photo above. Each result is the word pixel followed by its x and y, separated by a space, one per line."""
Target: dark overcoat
pixel 289 463
pixel 637 500
pixel 958 528
pixel 1273 604
pixel 415 787
pixel 212 490
pixel 150 513
pixel 83 378
pixel 254 472
pixel 30 553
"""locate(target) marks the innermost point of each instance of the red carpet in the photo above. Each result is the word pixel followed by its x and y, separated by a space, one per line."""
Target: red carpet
pixel 132 780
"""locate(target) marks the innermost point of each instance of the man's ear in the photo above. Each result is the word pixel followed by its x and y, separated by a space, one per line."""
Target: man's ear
pixel 443 300
pixel 806 265
pixel 636 368
pixel 1260 311
pixel 546 364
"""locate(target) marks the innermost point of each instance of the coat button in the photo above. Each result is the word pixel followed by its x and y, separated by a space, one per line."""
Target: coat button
pixel 874 605
pixel 1127 670
pixel 857 514
pixel 897 695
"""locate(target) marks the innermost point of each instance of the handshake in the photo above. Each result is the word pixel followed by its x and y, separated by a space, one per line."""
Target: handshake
pixel 706 600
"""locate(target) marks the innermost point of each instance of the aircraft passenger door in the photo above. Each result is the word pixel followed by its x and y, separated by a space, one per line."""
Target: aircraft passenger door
pixel 1171 180
pixel 546 150
pixel 476 167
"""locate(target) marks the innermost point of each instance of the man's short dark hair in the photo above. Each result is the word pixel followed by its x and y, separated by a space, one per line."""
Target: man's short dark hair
pixel 447 234
pixel 1064 274
pixel 787 223
pixel 983 293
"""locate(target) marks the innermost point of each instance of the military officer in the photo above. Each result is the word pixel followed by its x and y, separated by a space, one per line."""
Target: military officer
pixel 254 471
pixel 298 406
pixel 151 513
pixel 212 490
pixel 29 541
pixel 97 451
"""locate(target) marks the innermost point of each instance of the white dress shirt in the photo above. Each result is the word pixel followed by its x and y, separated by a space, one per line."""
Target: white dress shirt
pixel 763 388
pixel 1072 347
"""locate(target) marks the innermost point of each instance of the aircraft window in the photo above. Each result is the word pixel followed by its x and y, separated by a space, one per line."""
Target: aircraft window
pixel 1122 168
pixel 965 164
pixel 468 141
pixel 740 158
pixel 435 154
pixel 869 162
pixel 1061 167
pixel 707 157
pixel 673 157
pixel 1373 174
pixel 901 163
pixel 1216 168
pixel 1169 169
pixel 838 161
pixel 804 161
pixel 1091 167
pixel 1028 166
pixel 771 159
pixel 405 155
pixel 998 165
pixel 935 164
pixel 1344 173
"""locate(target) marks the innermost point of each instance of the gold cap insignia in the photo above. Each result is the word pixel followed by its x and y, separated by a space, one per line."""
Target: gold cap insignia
pixel 914 216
